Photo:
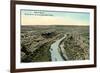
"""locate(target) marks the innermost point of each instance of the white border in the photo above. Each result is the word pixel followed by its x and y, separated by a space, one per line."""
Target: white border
pixel 52 64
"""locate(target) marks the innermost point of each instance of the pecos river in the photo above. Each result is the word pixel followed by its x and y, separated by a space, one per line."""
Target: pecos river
pixel 54 50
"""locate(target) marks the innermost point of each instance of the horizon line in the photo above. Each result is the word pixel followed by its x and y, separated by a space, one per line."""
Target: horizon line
pixel 54 25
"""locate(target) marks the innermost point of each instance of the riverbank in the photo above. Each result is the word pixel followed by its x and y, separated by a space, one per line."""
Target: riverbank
pixel 76 46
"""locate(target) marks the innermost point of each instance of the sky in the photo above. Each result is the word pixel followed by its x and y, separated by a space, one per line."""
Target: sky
pixel 44 17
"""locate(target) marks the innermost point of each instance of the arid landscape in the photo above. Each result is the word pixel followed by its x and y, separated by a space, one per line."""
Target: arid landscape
pixel 43 43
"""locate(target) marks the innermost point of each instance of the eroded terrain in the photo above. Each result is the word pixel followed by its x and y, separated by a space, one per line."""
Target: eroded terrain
pixel 36 42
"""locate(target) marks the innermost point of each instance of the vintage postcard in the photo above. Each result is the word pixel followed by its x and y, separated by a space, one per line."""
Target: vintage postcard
pixel 54 35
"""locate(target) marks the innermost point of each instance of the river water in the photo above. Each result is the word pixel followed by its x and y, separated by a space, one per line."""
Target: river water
pixel 54 50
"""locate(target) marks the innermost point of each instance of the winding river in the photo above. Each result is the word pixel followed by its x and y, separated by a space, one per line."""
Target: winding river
pixel 54 50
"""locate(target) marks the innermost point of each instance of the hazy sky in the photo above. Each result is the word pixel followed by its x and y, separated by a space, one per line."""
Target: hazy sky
pixel 43 17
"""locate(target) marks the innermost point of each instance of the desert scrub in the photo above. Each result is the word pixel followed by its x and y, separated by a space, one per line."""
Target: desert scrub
pixel 75 48
pixel 41 54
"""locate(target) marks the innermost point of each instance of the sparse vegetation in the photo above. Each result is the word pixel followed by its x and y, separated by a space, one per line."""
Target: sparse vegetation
pixel 76 47
pixel 36 42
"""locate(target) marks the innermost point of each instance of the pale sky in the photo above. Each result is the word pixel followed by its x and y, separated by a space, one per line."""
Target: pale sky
pixel 37 17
